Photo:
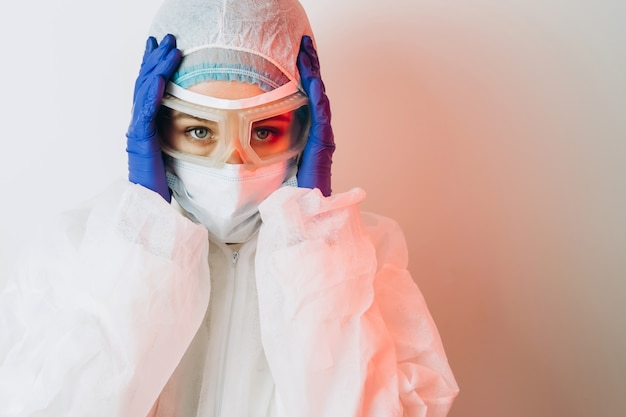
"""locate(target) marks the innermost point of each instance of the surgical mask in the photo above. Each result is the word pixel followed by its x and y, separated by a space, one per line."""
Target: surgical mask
pixel 225 199
pixel 262 129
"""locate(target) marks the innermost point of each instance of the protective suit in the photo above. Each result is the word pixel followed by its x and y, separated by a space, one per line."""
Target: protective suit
pixel 133 309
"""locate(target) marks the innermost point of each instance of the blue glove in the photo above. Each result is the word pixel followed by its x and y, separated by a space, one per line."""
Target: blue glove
pixel 145 162
pixel 314 169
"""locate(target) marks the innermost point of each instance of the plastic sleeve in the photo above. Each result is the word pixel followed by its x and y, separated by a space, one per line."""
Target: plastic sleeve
pixel 102 308
pixel 345 329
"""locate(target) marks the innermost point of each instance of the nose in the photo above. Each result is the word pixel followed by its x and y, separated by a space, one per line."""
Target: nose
pixel 235 158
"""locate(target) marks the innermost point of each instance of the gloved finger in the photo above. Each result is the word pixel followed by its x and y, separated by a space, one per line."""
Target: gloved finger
pixel 308 61
pixel 145 162
pixel 164 68
pixel 317 154
pixel 309 68
pixel 314 170
pixel 161 60
pixel 153 98
pixel 145 109
pixel 319 100
pixel 155 57
pixel 168 64
pixel 158 78
pixel 151 45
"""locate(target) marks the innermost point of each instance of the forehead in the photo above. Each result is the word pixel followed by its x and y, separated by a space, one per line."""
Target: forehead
pixel 229 90
pixel 184 118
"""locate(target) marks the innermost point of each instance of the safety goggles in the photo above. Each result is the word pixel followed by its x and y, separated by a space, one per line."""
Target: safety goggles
pixel 263 129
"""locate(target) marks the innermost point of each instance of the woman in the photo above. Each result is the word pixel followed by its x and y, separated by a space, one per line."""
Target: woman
pixel 223 279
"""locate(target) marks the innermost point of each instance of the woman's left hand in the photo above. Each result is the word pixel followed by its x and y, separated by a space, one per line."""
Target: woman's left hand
pixel 315 165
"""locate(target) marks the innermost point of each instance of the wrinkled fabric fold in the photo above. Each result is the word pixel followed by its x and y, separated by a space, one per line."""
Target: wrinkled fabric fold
pixel 345 329
pixel 128 305
pixel 251 26
pixel 102 308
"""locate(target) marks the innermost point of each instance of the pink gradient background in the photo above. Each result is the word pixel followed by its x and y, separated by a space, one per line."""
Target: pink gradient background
pixel 493 131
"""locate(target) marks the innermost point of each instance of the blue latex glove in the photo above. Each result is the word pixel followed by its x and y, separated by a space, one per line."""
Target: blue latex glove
pixel 145 162
pixel 316 160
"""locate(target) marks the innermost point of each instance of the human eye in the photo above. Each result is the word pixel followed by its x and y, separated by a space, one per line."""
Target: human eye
pixel 265 133
pixel 201 133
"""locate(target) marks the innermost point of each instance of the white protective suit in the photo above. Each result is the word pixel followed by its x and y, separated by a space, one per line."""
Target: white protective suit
pixel 316 316
pixel 129 309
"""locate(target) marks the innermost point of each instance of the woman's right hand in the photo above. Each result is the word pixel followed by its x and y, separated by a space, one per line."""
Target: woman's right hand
pixel 145 162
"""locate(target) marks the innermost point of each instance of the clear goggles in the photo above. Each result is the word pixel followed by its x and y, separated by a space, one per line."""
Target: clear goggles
pixel 263 129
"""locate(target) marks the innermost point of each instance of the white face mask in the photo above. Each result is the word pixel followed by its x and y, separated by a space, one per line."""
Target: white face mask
pixel 226 199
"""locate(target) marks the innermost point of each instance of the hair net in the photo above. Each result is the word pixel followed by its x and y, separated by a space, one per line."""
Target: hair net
pixel 243 40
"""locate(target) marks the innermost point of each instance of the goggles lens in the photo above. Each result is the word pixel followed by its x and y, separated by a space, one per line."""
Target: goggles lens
pixel 260 134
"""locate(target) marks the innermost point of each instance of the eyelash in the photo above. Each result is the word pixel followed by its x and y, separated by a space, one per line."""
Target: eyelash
pixel 272 133
pixel 191 132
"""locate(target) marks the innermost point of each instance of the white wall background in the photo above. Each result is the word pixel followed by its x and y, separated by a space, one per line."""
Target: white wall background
pixel 494 131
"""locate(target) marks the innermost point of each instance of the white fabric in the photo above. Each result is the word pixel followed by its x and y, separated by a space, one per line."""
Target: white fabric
pixel 224 372
pixel 341 314
pixel 225 200
pixel 101 308
pixel 331 324
pixel 202 100
pixel 268 28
